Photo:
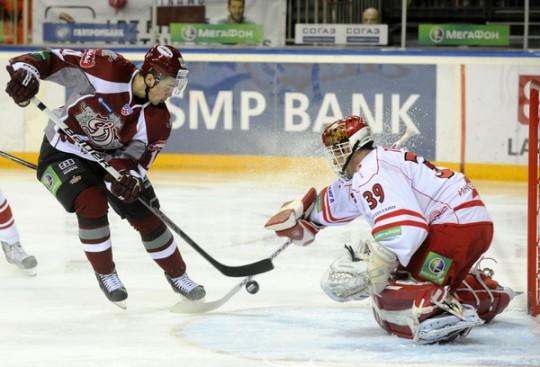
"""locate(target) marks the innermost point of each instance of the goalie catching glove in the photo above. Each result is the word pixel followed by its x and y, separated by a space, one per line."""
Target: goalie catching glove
pixel 365 269
pixel 291 220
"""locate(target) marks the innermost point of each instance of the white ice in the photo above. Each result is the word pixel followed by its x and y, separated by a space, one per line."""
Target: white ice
pixel 61 318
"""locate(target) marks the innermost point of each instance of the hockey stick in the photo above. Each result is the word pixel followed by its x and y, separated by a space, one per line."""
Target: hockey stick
pixel 202 307
pixel 409 133
pixel 17 160
pixel 258 267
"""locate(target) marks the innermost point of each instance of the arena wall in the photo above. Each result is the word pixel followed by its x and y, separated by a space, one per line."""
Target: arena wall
pixel 263 110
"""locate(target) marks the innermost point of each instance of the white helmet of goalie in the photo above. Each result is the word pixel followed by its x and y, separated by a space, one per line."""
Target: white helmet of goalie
pixel 342 138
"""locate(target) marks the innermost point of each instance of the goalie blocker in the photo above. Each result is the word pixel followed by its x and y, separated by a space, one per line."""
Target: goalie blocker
pixel 290 221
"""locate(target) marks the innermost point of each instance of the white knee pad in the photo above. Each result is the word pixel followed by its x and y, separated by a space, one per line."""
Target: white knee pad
pixel 380 266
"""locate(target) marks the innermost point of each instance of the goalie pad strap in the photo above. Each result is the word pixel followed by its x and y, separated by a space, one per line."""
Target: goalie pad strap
pixel 485 295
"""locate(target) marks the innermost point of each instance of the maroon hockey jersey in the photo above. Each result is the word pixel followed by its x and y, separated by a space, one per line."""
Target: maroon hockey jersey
pixel 101 107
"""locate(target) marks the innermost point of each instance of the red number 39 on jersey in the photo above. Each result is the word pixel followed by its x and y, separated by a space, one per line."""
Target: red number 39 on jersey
pixel 375 196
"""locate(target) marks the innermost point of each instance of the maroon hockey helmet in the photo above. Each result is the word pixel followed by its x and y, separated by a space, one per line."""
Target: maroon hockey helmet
pixel 166 61
pixel 342 138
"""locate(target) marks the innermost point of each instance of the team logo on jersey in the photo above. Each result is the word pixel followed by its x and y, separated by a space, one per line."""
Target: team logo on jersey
pixel 67 166
pixel 387 233
pixel 75 179
pixel 88 59
pixel 435 267
pixel 51 180
pixel 102 131
pixel 331 198
pixel 126 110
pixel 47 180
pixel 435 214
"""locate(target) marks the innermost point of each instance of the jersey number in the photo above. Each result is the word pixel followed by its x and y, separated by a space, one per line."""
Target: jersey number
pixel 375 196
pixel 441 173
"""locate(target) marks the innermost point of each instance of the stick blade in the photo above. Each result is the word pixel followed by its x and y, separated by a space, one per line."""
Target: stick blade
pixel 187 307
pixel 259 267
pixel 194 308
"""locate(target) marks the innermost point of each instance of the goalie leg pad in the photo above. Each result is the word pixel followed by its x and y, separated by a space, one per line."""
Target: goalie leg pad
pixel 484 294
pixel 419 311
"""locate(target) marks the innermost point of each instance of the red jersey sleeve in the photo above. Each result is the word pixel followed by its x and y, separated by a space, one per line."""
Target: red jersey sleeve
pixel 158 127
pixel 105 64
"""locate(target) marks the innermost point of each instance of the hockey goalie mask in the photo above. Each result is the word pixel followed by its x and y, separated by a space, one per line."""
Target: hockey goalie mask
pixel 341 139
pixel 168 67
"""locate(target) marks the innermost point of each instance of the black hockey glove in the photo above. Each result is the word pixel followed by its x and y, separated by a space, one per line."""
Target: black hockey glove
pixel 22 86
pixel 127 188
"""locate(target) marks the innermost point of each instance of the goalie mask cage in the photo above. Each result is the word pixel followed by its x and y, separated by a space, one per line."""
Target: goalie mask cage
pixel 533 252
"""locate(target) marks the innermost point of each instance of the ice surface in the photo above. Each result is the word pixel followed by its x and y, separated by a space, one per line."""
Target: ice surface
pixel 61 318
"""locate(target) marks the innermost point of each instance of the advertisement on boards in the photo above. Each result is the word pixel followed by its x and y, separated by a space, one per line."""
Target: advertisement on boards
pixel 464 34
pixel 281 109
pixel 246 34
pixel 498 116
pixel 257 22
pixel 341 34
pixel 90 32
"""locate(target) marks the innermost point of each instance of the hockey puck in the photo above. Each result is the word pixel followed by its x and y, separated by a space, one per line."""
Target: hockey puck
pixel 252 287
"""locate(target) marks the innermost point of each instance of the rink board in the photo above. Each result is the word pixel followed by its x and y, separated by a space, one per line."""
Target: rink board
pixel 247 108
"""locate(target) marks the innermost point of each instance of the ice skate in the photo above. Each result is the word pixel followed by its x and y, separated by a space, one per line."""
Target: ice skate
pixel 16 255
pixel 113 288
pixel 447 327
pixel 186 287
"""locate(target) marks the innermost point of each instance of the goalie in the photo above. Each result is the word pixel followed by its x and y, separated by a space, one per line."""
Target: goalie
pixel 429 227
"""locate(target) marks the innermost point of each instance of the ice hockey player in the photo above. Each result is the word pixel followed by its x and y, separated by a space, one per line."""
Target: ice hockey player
pixel 11 240
pixel 429 228
pixel 120 111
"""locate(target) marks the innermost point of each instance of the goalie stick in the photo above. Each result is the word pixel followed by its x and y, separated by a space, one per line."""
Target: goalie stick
pixel 409 133
pixel 232 271
pixel 202 307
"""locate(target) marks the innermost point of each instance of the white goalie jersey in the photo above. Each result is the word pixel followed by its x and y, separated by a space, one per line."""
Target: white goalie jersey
pixel 400 194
